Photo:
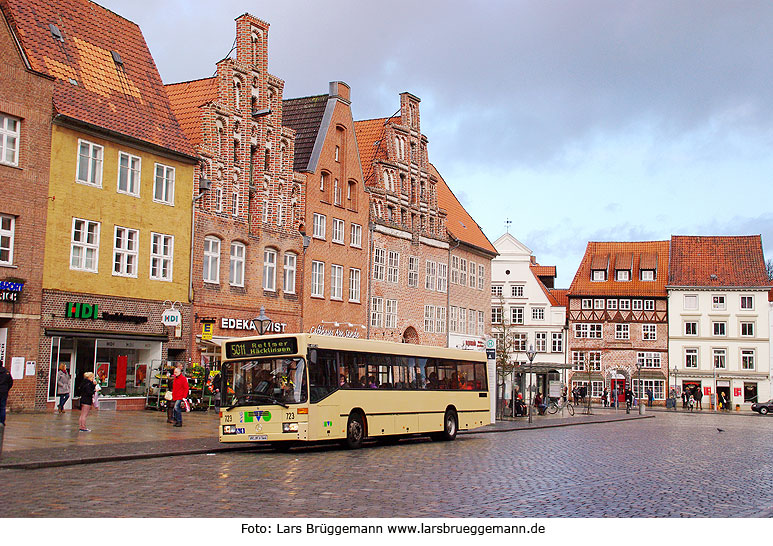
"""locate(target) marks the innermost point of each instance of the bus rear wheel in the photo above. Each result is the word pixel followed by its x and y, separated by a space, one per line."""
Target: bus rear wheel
pixel 450 426
pixel 355 431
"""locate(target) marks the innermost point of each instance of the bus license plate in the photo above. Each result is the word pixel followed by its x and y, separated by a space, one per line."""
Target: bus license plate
pixel 258 437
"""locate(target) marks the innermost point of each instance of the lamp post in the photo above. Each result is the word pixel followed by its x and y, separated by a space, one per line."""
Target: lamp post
pixel 638 386
pixel 530 354
pixel 262 322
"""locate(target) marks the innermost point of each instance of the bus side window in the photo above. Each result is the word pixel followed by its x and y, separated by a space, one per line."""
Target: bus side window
pixel 480 376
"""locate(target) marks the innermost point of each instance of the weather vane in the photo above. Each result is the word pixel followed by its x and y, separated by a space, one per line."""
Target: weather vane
pixel 508 222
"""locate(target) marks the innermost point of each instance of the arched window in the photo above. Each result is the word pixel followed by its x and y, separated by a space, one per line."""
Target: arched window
pixel 288 276
pixel 267 161
pixel 211 272
pixel 220 138
pixel 323 181
pixel 269 269
pixel 336 192
pixel 351 195
pixel 237 92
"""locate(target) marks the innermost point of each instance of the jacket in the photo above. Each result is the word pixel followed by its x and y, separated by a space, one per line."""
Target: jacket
pixel 6 381
pixel 62 382
pixel 87 392
pixel 180 388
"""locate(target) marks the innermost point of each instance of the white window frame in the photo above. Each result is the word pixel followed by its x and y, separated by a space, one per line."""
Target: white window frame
pixel 481 276
pixel 393 267
pixel 471 322
pixel 133 170
pixel 123 254
pixel 638 305
pixel 8 136
pixel 612 304
pixel 538 313
pixel 379 263
pixel 164 175
pixel 587 303
pixel 454 269
pixel 657 386
pixel 593 360
pixel 649 332
pixel 95 157
pixel 338 231
pixel 429 319
pixel 269 269
pixel 647 275
pixel 622 275
pixel 516 291
pixel 356 236
pixel 462 320
pixel 211 260
pixel 719 328
pixel 336 282
pixel 319 223
pixel 289 271
pixel 496 290
pixel 317 279
pixel 413 271
pixel 161 256
pixel 452 324
pixel 7 236
pixel 598 275
pixel 748 355
pixel 496 316
pixel 390 314
pixel 690 358
pixel 687 304
pixel 622 331
pixel 516 314
pixel 85 246
pixel 649 305
pixel 442 277
pixel 695 322
pixel 473 270
pixel 746 325
pixel 463 271
pixel 719 356
pixel 746 298
pixel 541 342
pixel 377 312
pixel 481 322
pixel 598 303
pixel 624 304
pixel 354 284
pixel 430 278
pixel 238 254
pixel 557 342
pixel 718 302
pixel 648 359
pixel 578 361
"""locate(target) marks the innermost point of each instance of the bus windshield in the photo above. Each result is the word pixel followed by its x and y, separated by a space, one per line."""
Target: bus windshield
pixel 279 381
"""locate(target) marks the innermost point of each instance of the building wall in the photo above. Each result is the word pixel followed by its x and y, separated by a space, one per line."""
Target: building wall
pixel 473 296
pixel 26 96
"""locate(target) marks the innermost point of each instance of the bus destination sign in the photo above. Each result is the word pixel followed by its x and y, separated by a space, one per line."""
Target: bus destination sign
pixel 261 347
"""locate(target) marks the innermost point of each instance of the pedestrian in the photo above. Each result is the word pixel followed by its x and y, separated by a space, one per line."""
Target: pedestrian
pixel 6 382
pixel 628 400
pixel 615 397
pixel 179 393
pixel 724 401
pixel 685 398
pixel 698 396
pixel 168 398
pixel 216 381
pixel 62 386
pixel 605 397
pixel 650 397
pixel 576 395
pixel 88 389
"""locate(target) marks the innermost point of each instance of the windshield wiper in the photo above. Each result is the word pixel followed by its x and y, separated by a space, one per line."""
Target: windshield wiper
pixel 251 395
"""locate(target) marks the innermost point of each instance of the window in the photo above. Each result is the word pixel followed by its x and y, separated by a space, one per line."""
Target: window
pixel 463 272
pixel 454 269
pixel 265 211
pixel 516 315
pixel 471 322
pixel 589 331
pixel 163 185
pixel 594 331
pixel 338 231
pixel 594 361
pixel 691 302
pixel 516 291
pixel 84 249
pixel 481 322
pixel 318 279
pixel 442 277
pixel 393 267
pixel 219 200
pixel 557 342
pixel 9 140
pixel 541 342
pixel 638 305
pixel 377 312
pixel 747 329
pixel 622 275
pixel 718 303
pixel 390 314
pixel 211 260
pixel 747 359
pixel 649 332
pixel 747 302
pixel 481 276
pixel 129 174
pixel 578 361
pixel 235 202
pixel 356 236
pixel 648 359
pixel 691 328
pixel 290 267
pixel 720 358
pixel 625 305
pixel 269 269
pixel 440 319
pixel 336 192
pixel 236 270
pixel 379 263
pixel 598 275
pixel 89 163
pixel 473 269
pixel 318 226
pixel 431 276
pixel 622 331
pixel 336 282
pixel 335 153
pixel 691 358
pixel 161 256
pixel 719 328
pixel 496 290
pixel 429 318
pixel 125 252
pixel 598 303
pixel 538 313
pixel 413 271
pixel 452 327
pixel 519 342
pixel 657 386
pixel 496 315
pixel 612 305
pixel 649 305
pixel 354 285
pixel 462 320
pixel 587 303
pixel 648 274
pixel 7 227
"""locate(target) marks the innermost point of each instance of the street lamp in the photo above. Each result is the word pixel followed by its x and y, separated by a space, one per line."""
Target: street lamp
pixel 530 354
pixel 262 322
pixel 638 386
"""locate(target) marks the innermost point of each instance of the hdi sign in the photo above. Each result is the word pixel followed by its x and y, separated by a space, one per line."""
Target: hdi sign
pixel 81 310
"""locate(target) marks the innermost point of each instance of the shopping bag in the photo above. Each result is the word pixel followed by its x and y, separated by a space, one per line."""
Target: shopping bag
pixel 95 400
pixel 187 404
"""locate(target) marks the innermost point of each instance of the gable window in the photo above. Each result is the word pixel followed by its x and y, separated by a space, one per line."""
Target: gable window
pixel 516 291
pixel 442 277
pixel 747 329
pixel 354 285
pixel 211 265
pixel 338 231
pixel 747 303
pixel 288 276
pixel 413 271
pixel 356 236
pixel 393 267
pixel 496 290
pixel 691 302
pixel 7 227
pixel 319 226
pixel 269 269
pixel 89 163
pixel 379 263
pixel 718 303
pixel 125 252
pixel 649 332
pixel 336 282
pixel 236 272
pixel 719 328
pixel 622 275
pixel 161 256
pixel 318 279
pixel 163 185
pixel 9 140
pixel 622 331
pixel 129 167
pixel 598 275
pixel 430 278
pixel 84 247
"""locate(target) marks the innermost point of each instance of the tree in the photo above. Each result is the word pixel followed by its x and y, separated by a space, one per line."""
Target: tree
pixel 502 332
pixel 769 269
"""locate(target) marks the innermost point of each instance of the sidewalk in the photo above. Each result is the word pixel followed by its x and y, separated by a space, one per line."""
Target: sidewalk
pixel 35 440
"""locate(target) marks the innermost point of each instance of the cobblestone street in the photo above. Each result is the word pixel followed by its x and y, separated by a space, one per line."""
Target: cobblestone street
pixel 673 465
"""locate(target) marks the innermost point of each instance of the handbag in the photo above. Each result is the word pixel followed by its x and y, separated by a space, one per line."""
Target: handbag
pixel 168 396
pixel 187 404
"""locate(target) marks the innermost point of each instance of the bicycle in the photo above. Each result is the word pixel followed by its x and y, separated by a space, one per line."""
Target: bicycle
pixel 554 406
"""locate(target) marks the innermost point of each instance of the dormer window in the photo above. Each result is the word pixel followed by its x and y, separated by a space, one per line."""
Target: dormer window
pixel 598 275
pixel 622 275
pixel 648 274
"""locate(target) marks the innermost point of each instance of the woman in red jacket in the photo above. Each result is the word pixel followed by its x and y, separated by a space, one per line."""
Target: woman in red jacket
pixel 179 393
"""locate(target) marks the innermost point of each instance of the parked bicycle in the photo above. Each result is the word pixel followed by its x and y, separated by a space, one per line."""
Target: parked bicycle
pixel 554 406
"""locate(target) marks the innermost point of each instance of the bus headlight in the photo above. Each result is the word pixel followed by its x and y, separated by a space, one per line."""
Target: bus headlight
pixel 289 427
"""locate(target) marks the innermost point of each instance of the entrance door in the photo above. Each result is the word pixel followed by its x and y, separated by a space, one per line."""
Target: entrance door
pixel 618 384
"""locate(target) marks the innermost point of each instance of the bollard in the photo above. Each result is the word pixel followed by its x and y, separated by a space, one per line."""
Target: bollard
pixel 641 409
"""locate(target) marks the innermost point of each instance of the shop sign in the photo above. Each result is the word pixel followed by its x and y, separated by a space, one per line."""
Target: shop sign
pixel 171 317
pixel 206 330
pixel 3 345
pixel 120 317
pixel 81 310
pixel 10 291
pixel 737 391
pixel 249 324
pixel 337 332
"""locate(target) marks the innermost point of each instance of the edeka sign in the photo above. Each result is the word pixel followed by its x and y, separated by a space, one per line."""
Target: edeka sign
pixel 81 310
pixel 247 324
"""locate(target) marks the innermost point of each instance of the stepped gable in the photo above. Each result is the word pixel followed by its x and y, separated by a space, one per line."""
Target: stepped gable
pixel 105 74
pixel 717 261
pixel 304 115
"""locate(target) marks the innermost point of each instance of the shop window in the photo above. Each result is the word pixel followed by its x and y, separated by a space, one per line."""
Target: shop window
pixel 750 393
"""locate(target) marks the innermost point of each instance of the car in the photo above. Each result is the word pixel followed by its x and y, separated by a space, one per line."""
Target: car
pixel 763 407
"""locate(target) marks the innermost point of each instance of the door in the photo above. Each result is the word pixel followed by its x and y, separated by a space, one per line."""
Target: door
pixel 618 384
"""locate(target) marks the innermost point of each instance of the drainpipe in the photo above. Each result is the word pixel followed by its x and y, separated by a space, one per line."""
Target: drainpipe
pixel 448 294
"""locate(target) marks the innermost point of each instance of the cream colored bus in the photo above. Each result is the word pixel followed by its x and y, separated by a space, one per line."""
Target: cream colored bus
pixel 286 389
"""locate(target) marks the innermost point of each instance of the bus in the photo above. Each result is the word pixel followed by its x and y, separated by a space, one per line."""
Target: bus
pixel 289 389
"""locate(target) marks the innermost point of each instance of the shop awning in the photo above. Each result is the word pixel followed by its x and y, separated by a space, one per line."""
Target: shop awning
pixel 541 367
pixel 216 340
pixel 66 332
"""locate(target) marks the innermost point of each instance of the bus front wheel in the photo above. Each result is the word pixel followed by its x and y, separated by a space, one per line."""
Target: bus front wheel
pixel 450 426
pixel 355 431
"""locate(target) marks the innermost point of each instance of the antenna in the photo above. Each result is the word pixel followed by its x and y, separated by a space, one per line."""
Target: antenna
pixel 508 223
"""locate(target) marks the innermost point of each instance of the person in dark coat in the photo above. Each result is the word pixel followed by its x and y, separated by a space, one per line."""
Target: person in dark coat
pixel 88 388
pixel 698 396
pixel 6 382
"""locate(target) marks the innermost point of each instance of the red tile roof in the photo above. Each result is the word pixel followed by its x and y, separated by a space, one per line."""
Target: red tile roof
pixel 106 76
pixel 186 99
pixel 717 261
pixel 561 296
pixel 459 223
pixel 599 254
pixel 371 134
pixel 543 270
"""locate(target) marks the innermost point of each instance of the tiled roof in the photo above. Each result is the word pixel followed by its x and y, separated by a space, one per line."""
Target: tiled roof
pixel 370 135
pixel 186 99
pixel 543 270
pixel 105 73
pixel 561 296
pixel 598 254
pixel 717 261
pixel 459 223
pixel 304 115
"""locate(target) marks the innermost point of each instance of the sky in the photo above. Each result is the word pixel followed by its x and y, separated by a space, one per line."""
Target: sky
pixel 578 121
